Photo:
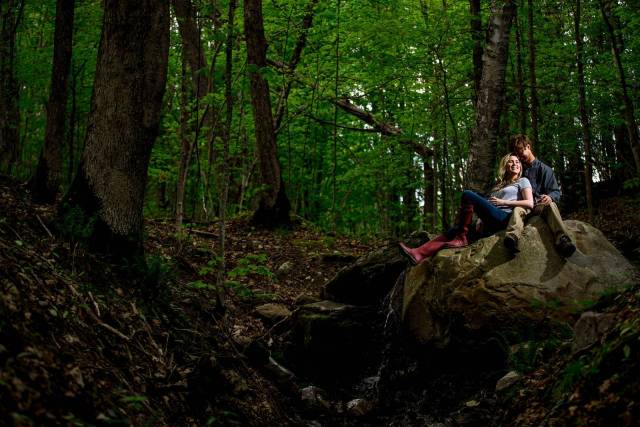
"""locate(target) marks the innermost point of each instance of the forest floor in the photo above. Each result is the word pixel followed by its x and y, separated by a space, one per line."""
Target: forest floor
pixel 85 342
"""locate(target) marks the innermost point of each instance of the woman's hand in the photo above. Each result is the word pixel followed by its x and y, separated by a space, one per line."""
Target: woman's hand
pixel 498 202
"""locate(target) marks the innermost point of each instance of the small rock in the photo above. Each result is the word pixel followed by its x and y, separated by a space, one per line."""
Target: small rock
pixel 472 403
pixel 507 381
pixel 313 398
pixel 590 327
pixel 273 312
pixel 278 372
pixel 304 299
pixel 359 407
pixel 285 268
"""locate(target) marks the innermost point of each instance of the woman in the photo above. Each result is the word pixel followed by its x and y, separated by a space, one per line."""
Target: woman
pixel 510 192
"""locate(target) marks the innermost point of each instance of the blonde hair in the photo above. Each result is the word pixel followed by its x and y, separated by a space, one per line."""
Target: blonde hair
pixel 504 176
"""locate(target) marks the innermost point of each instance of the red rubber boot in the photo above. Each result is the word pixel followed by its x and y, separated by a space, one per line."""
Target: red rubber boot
pixel 466 216
pixel 429 249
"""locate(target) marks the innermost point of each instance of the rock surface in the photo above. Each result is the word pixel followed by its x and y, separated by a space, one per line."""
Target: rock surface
pixel 370 278
pixel 590 328
pixel 507 381
pixel 483 289
pixel 272 312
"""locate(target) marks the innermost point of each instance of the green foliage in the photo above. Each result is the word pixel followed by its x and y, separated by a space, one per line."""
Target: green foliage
pixel 75 225
pixel 211 267
pixel 527 356
pixel 632 184
pixel 252 265
pixel 241 290
pixel 135 401
pixel 158 272
pixel 406 62
pixel 571 375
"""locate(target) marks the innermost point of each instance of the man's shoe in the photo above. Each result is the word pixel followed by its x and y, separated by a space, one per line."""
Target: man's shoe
pixel 511 242
pixel 565 246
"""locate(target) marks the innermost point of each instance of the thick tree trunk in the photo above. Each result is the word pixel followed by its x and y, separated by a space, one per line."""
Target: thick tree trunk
pixel 123 124
pixel 522 97
pixel 629 113
pixel 584 117
pixel 482 152
pixel 476 35
pixel 45 182
pixel 274 205
pixel 10 15
pixel 533 81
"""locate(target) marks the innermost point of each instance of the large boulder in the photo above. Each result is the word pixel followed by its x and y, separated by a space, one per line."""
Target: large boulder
pixel 368 280
pixel 482 290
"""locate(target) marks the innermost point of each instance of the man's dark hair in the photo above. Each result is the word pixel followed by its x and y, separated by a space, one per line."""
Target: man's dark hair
pixel 519 140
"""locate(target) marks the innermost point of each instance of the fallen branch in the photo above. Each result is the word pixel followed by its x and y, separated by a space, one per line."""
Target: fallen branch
pixel 348 107
pixel 44 226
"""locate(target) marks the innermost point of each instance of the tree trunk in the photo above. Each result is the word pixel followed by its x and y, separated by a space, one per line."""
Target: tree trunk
pixel 192 46
pixel 226 136
pixel 584 117
pixel 482 151
pixel 123 124
pixel 307 21
pixel 186 147
pixel 274 204
pixel 533 82
pixel 193 50
pixel 476 35
pixel 10 15
pixel 522 97
pixel 45 183
pixel 629 113
pixel 429 208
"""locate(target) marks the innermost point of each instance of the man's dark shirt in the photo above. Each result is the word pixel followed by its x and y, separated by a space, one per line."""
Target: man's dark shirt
pixel 542 179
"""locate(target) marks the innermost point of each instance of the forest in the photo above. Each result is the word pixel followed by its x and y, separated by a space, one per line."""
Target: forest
pixel 168 167
pixel 372 104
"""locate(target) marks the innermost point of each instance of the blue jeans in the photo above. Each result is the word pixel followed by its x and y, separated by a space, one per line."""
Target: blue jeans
pixel 493 219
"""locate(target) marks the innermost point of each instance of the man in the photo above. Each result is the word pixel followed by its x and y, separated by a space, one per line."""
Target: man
pixel 546 194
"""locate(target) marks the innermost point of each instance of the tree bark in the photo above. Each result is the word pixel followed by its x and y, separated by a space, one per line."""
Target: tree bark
pixel 186 147
pixel 429 208
pixel 193 50
pixel 476 35
pixel 10 15
pixel 522 97
pixel 123 124
pixel 533 81
pixel 584 117
pixel 226 136
pixel 629 113
pixel 274 205
pixel 192 46
pixel 482 151
pixel 45 182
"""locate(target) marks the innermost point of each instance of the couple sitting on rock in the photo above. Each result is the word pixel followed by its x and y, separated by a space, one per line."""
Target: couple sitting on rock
pixel 522 179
